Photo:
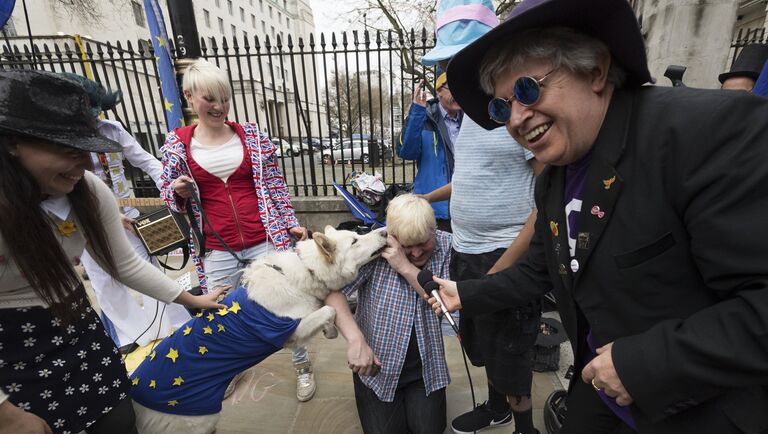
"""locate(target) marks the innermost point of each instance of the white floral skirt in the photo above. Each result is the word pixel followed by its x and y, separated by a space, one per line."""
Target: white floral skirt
pixel 68 374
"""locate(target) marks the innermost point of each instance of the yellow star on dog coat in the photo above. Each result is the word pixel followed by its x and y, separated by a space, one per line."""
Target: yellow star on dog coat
pixel 172 354
pixel 221 327
pixel 177 381
pixel 153 384
pixel 135 381
pixel 152 355
pixel 207 330
pixel 202 350
pixel 187 330
pixel 210 317
pixel 172 403
pixel 223 311
pixel 235 307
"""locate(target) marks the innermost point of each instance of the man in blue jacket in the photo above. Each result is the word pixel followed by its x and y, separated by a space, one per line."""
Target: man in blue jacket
pixel 428 136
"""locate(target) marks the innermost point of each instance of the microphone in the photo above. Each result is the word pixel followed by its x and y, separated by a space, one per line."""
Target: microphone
pixel 429 285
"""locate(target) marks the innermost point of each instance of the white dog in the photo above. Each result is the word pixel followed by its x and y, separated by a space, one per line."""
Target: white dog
pixel 180 385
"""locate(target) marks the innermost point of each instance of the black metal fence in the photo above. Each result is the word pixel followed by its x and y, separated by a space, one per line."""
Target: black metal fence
pixel 743 38
pixel 334 105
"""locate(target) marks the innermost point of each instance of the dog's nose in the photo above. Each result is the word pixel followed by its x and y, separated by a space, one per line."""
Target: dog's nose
pixel 383 232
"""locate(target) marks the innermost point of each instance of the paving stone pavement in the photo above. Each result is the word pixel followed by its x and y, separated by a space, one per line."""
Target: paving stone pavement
pixel 265 401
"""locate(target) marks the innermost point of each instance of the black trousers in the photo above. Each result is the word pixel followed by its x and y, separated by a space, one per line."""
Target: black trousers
pixel 410 412
pixel 587 414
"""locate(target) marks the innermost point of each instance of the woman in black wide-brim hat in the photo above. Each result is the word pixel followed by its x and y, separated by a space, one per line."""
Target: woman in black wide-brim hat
pixel 59 371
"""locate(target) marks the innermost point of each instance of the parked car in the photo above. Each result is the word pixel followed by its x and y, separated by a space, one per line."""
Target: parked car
pixel 354 150
pixel 285 148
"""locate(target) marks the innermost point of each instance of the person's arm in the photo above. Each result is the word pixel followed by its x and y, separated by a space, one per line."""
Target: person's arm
pixel 518 247
pixel 360 356
pixel 275 182
pixel 440 194
pixel 173 169
pixel 410 138
pixel 716 187
pixel 138 157
pixel 132 270
pixel 14 420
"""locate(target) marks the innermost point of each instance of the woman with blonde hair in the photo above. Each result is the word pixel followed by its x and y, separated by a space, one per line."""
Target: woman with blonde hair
pixel 244 208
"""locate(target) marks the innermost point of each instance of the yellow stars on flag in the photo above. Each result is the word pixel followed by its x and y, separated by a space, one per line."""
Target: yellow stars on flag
pixel 221 328
pixel 207 330
pixel 199 315
pixel 178 381
pixel 173 403
pixel 202 350
pixel 235 307
pixel 152 384
pixel 223 311
pixel 210 317
pixel 187 330
pixel 160 41
pixel 168 105
pixel 172 354
pixel 152 355
pixel 135 381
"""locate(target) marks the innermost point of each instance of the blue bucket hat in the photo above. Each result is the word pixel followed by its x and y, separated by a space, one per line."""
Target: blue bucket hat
pixel 459 23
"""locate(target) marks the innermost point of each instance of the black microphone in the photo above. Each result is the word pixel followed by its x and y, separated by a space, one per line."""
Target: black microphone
pixel 429 285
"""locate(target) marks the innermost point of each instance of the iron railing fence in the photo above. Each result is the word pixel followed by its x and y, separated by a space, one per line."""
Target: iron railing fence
pixel 743 38
pixel 334 105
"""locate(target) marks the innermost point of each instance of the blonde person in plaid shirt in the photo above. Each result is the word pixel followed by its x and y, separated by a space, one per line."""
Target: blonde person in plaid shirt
pixel 395 346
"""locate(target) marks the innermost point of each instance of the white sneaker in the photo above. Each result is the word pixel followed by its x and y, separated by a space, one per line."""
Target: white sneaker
pixel 305 384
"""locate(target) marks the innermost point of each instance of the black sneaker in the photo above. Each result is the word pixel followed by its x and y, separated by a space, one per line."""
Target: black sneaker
pixel 482 417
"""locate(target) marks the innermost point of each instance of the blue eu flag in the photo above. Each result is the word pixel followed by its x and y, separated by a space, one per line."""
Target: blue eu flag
pixel 171 101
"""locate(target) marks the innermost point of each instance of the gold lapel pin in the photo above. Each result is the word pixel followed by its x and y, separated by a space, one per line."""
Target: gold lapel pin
pixel 609 182
pixel 553 227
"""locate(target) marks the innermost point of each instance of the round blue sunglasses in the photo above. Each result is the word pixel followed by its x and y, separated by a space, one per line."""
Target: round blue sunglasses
pixel 527 92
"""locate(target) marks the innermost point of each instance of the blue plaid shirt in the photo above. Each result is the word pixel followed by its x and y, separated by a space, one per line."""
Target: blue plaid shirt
pixel 387 309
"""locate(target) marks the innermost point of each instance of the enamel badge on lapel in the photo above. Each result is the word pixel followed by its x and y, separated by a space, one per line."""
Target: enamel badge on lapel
pixel 582 240
pixel 609 182
pixel 553 227
pixel 596 212
pixel 561 269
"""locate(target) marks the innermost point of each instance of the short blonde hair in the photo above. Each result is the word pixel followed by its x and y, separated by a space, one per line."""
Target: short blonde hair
pixel 410 219
pixel 204 77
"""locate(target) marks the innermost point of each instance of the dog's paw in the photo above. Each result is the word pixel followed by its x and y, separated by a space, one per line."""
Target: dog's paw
pixel 330 332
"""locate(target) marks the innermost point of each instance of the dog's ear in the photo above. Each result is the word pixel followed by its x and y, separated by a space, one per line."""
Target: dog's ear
pixel 329 229
pixel 326 245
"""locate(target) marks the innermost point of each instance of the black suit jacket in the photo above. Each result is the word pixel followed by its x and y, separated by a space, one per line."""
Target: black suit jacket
pixel 673 262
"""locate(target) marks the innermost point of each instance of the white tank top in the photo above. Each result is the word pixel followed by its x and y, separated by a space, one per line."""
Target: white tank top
pixel 219 160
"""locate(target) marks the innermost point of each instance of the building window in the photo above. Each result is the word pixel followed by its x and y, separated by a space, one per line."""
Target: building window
pixel 253 21
pixel 261 5
pixel 229 6
pixel 234 30
pixel 279 18
pixel 287 22
pixel 207 17
pixel 138 14
pixel 263 27
pixel 273 32
pixel 285 4
pixel 221 26
pixel 250 2
pixel 271 15
pixel 218 3
pixel 242 15
pixel 245 36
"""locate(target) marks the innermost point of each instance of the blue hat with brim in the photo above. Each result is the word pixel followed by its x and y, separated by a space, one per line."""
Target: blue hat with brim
pixel 459 23
pixel 611 21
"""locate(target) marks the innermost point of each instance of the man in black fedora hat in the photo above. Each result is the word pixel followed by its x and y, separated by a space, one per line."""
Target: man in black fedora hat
pixel 649 234
pixel 746 68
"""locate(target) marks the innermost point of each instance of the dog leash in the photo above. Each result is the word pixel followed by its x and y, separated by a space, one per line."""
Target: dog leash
pixel 242 262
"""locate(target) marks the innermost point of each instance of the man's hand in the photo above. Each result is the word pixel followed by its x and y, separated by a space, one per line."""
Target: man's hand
pixel 448 293
pixel 395 256
pixel 14 420
pixel 420 95
pixel 183 186
pixel 360 358
pixel 299 232
pixel 601 374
